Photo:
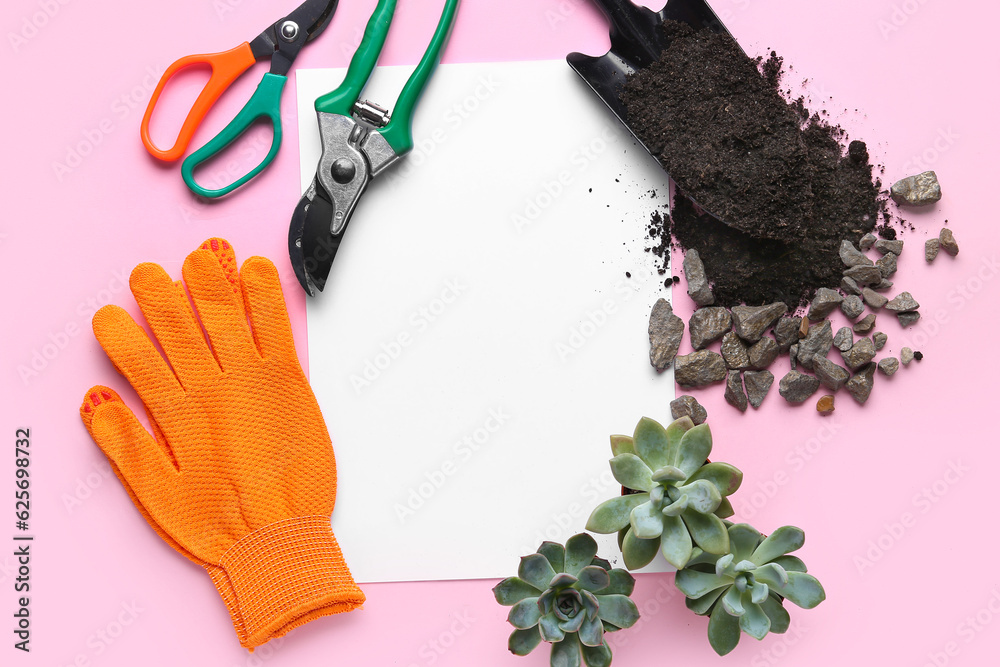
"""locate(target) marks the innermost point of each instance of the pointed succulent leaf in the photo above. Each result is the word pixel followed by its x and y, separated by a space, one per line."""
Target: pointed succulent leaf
pixel 566 653
pixel 638 552
pixel 702 496
pixel 647 522
pixel 695 584
pixel 548 628
pixel 755 622
pixel 651 443
pixel 745 566
pixel 590 604
pixel 525 614
pixel 675 432
pixel 602 563
pixel 554 553
pixel 782 541
pixel 545 601
pixel 617 610
pixel 536 570
pixel 777 613
pixel 668 474
pixel 759 592
pixel 675 542
pixel 631 472
pixel 523 642
pixel 732 601
pixel 723 564
pixel 512 590
pixel 573 624
pixel 790 564
pixel 802 589
pixel 597 656
pixel 726 478
pixel 613 515
pixel 723 630
pixel 694 449
pixel 592 632
pixel 743 539
pixel 594 578
pixel 580 552
pixel 773 575
pixel 701 605
pixel 620 582
pixel 622 444
pixel 700 557
pixel 656 496
pixel 707 531
pixel 725 509
pixel 677 507
pixel 562 580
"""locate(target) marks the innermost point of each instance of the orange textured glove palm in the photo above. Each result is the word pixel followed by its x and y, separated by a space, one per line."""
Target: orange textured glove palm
pixel 241 474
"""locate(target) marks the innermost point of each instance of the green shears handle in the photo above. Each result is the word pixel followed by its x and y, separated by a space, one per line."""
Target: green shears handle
pixel 265 103
pixel 399 131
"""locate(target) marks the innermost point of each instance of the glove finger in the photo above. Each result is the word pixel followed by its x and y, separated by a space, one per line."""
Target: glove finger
pixel 135 357
pixel 169 315
pixel 211 278
pixel 148 470
pixel 268 314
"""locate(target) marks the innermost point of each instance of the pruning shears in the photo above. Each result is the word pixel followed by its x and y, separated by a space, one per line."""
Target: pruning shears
pixel 360 140
pixel 281 42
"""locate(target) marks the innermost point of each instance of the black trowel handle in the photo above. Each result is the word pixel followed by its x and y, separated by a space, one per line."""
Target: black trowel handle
pixel 634 30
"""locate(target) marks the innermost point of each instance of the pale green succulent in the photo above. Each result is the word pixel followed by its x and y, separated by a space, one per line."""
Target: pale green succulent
pixel 744 589
pixel 679 500
pixel 569 598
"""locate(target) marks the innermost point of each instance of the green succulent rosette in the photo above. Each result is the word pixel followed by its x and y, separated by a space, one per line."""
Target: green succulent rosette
pixel 569 598
pixel 743 591
pixel 677 499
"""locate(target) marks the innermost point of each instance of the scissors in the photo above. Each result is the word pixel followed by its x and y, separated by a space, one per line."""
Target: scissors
pixel 281 42
pixel 360 140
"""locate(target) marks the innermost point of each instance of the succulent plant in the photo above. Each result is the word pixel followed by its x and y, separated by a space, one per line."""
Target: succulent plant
pixel 569 598
pixel 744 589
pixel 677 499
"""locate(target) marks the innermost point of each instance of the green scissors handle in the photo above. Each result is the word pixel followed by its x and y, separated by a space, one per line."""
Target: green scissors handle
pixel 265 104
pixel 399 130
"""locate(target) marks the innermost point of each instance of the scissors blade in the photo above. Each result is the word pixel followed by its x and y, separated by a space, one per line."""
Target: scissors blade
pixel 311 18
pixel 311 246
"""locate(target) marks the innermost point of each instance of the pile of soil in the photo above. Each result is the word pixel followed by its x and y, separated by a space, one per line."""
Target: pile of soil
pixel 781 176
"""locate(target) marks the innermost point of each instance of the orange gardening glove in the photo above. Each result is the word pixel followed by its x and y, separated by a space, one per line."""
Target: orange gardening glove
pixel 241 476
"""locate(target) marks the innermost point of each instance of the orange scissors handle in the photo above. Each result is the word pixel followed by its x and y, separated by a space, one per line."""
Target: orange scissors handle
pixel 226 66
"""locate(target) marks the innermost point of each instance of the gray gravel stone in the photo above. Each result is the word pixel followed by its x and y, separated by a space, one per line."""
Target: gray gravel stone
pixel 690 407
pixel 786 332
pixel 831 375
pixel 888 264
pixel 860 354
pixel 867 241
pixel 889 366
pixel 793 356
pixel 699 368
pixel 797 387
pixel 906 356
pixel 860 386
pixel 824 303
pixel 851 256
pixel 844 339
pixel 735 395
pixel 734 351
pixel 902 303
pixel 751 322
pixel 947 241
pixel 758 383
pixel 931 248
pixel 880 339
pixel 708 325
pixel 864 275
pixel 698 288
pixel 849 286
pixel 919 190
pixel 763 353
pixel 874 300
pixel 865 324
pixel 883 285
pixel 665 333
pixel 852 307
pixel 817 342
pixel 885 245
pixel 906 319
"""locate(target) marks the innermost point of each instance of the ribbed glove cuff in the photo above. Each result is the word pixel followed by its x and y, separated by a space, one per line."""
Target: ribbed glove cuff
pixel 287 574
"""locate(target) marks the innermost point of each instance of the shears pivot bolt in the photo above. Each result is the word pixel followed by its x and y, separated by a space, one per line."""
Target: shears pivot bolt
pixel 343 170
pixel 289 31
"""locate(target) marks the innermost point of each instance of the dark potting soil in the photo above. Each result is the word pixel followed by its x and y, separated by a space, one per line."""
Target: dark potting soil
pixel 779 174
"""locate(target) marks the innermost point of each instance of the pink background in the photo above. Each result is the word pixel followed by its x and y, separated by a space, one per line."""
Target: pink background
pixel 902 545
